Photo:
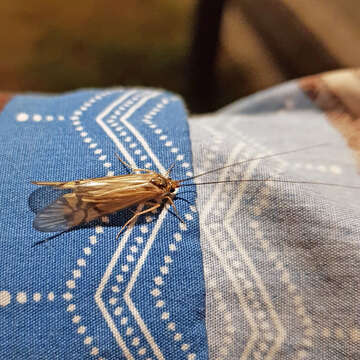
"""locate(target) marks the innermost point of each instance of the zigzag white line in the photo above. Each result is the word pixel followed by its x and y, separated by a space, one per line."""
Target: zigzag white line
pixel 266 298
pixel 217 251
pixel 127 233
pixel 107 129
pixel 132 281
pixel 142 141
pixel 123 241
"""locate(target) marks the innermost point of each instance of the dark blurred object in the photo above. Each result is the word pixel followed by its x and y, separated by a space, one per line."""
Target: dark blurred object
pixel 211 52
pixel 203 85
pixel 293 47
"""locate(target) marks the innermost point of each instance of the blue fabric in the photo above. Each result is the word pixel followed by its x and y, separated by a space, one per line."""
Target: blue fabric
pixel 83 294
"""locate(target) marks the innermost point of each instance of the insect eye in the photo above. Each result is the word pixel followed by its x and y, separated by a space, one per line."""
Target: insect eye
pixel 172 190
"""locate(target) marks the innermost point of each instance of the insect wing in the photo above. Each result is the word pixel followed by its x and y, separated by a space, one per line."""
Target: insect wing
pixel 93 198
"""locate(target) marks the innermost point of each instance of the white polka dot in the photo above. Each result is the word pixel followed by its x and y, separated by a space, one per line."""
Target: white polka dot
pixel 37 297
pixel 180 157
pixel 165 315
pixel 177 236
pixel 49 118
pixel 185 347
pixel 171 326
pixel 128 139
pixel 160 303
pixel 118 311
pixel 79 128
pixel 133 145
pixel 163 137
pixel 172 247
pixel 130 258
pixel 21 297
pixel 139 240
pixel 107 164
pixel 355 335
pixel 136 341
pixel 335 169
pixel 119 278
pixel 81 329
pixel 158 280
pixel 182 226
pixel 51 296
pixel 125 268
pixel 99 229
pixel 129 331
pixel 102 157
pixel 177 337
pixel 105 219
pixel 70 284
pixel 93 240
pixel 144 229
pixel 61 118
pixel 88 340
pixel 67 296
pixel 155 292
pixel 22 117
pixel 94 351
pixel 167 259
pixel 143 157
pixel 71 307
pixel 339 333
pixel 158 131
pixel 174 150
pixel 113 301
pixel 81 262
pixel 75 123
pixel 164 270
pixel 93 145
pixel 142 351
pixel 87 251
pixel 124 321
pixel 5 298
pixel 148 165
pixel 168 143
pixel 110 173
pixel 137 152
pixel 83 134
pixel 185 165
pixel 76 319
pixel 188 217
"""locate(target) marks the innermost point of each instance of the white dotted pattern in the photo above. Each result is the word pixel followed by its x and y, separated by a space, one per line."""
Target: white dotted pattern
pixel 24 117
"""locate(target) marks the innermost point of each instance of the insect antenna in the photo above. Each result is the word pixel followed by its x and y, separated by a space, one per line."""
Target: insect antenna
pixel 274 180
pixel 48 238
pixel 257 158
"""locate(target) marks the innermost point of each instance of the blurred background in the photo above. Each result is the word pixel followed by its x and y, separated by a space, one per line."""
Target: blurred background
pixel 211 52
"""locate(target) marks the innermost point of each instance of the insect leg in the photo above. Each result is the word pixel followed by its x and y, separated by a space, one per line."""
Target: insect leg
pixel 175 209
pixel 136 214
pixel 129 166
pixel 170 169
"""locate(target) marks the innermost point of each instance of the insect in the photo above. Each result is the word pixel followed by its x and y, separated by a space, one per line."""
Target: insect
pixel 91 199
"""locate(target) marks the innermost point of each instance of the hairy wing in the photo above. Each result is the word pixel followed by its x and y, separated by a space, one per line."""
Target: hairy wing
pixel 93 198
pixel 108 188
